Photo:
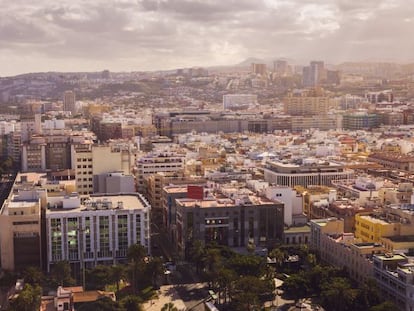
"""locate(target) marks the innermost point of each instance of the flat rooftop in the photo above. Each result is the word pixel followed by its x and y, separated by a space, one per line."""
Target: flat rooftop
pixel 223 202
pixel 391 257
pixel 298 229
pixel 401 238
pixel 375 220
pixel 175 189
pixel 106 202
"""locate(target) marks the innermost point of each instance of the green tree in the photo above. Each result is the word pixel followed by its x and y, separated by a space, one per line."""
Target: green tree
pixel 337 294
pixel 98 277
pixel 28 299
pixel 33 275
pixel 131 303
pixel 368 295
pixel 247 291
pixel 278 255
pixel 155 269
pixel 197 254
pixel 62 274
pixel 296 286
pixel 136 255
pixel 117 273
pixel 247 265
pixel 225 280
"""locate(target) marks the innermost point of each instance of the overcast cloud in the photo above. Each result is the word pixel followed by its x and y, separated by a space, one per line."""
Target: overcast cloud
pixel 134 35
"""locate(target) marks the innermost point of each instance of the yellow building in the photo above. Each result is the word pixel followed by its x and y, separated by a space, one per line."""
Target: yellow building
pixel 371 227
pixel 404 243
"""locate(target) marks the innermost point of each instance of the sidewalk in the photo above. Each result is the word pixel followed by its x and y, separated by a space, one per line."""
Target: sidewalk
pixel 166 294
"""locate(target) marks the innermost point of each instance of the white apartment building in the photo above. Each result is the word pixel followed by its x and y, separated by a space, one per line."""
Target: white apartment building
pixel 98 231
pixel 311 172
pixel 394 274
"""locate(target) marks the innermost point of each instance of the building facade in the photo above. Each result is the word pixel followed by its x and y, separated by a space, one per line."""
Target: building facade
pixel 316 173
pixel 98 231
pixel 234 223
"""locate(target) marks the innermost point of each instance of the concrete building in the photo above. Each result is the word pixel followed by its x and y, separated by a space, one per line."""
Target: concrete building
pixel 321 227
pixel 282 68
pixel 344 251
pixel 321 122
pixel 305 105
pixel 381 96
pixel 69 102
pixel 371 227
pixel 394 274
pixel 169 206
pixel 394 160
pixel 310 172
pixel 235 220
pixel 155 184
pixel 360 121
pixel 90 161
pixel 98 231
pixel 314 74
pixel 259 69
pixel 114 182
pixel 238 101
pixel 20 222
pixel 293 202
pixel 156 162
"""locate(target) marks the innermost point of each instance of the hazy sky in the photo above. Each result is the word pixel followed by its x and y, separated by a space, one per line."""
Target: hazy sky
pixel 133 35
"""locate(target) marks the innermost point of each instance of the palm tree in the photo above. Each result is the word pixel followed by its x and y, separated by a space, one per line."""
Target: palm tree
pixel 197 254
pixel 225 280
pixel 156 268
pixel 117 273
pixel 136 255
pixel 278 255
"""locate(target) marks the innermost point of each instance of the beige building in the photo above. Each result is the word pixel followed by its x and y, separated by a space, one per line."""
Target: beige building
pixel 96 160
pixel 156 162
pixel 20 223
pixel 343 250
pixel 306 105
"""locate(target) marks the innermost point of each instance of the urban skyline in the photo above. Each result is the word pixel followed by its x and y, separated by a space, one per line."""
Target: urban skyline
pixel 123 35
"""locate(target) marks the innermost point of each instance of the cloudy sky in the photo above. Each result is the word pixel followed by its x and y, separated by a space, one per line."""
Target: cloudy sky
pixel 134 35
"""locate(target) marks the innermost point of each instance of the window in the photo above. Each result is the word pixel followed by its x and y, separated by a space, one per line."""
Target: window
pixel 104 238
pixel 122 235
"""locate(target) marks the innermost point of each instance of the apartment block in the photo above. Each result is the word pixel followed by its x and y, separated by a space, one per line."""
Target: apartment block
pixel 307 105
pixel 371 227
pixel 234 221
pixel 309 172
pixel 394 274
pixel 98 231
pixel 156 162
pixel 93 160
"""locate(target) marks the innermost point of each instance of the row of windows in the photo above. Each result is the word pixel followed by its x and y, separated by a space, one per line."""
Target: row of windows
pixel 84 179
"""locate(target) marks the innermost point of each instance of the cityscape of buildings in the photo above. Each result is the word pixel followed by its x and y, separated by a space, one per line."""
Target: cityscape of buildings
pixel 255 156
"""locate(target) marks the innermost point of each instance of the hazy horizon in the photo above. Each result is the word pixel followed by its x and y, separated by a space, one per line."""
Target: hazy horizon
pixel 143 35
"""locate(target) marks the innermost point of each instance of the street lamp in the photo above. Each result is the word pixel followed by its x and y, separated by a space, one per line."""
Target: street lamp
pixel 82 232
